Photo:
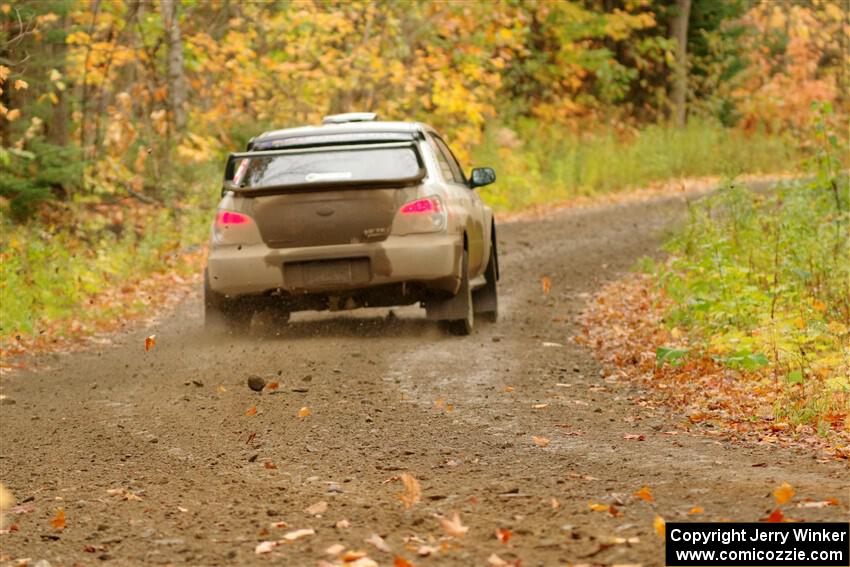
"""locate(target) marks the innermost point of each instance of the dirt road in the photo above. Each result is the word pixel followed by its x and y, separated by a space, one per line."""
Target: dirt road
pixel 385 396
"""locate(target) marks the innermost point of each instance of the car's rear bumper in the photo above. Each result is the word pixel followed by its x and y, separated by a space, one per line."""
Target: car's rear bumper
pixel 429 259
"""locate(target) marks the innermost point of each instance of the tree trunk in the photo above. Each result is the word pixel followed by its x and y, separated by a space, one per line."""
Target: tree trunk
pixel 176 77
pixel 679 33
pixel 57 129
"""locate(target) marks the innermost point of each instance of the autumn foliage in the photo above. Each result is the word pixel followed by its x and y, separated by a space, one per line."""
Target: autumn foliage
pixel 746 325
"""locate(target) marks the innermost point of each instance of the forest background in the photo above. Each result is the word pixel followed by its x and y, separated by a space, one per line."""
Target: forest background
pixel 116 116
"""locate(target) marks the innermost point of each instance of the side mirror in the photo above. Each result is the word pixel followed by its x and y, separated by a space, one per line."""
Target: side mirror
pixel 482 176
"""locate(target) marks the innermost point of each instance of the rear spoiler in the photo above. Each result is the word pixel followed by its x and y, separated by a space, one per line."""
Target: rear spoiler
pixel 233 158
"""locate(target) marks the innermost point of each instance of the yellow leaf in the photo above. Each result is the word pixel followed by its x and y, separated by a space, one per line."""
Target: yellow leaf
pixel 150 342
pixel 303 412
pixel 540 441
pixel 598 507
pixel 783 494
pixel 546 283
pixel 13 114
pixel 696 510
pixel 59 521
pixel 21 85
pixel 658 523
pixel 644 494
pixel 251 411
pixel 412 490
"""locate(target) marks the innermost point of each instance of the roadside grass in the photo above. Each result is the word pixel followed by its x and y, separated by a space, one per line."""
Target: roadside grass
pixel 538 164
pixel 51 271
pixel 746 324
pixel 761 283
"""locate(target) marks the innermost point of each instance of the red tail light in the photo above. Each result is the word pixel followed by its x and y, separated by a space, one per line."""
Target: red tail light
pixel 427 205
pixel 227 217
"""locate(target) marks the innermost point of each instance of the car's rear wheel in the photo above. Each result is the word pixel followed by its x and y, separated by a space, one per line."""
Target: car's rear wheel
pixel 223 315
pixel 486 299
pixel 460 306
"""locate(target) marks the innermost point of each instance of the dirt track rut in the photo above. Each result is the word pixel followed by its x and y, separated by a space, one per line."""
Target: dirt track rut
pixel 386 395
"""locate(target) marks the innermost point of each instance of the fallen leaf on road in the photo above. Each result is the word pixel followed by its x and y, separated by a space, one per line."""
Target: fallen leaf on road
pixel 318 508
pixel 599 507
pixel 503 535
pixel 94 548
pixel 271 466
pixel 412 490
pixel 220 389
pixel 644 494
pixel 362 562
pixel 658 523
pixel 551 344
pixel 272 386
pixel 540 406
pixel 342 524
pixel 821 504
pixel 426 550
pixel 303 412
pixel 279 524
pixel 453 525
pixel 696 510
pixel 58 522
pixel 546 284
pixel 124 494
pixel 150 342
pixel 633 437
pixel 508 389
pixel 402 562
pixel 783 493
pixel 378 543
pixel 251 411
pixel 298 534
pixel 774 517
pixel 334 549
pixel 496 561
pixel 439 403
pixel 351 555
pixel 555 503
pixel 622 540
pixel 265 547
pixel 182 509
pixel 540 441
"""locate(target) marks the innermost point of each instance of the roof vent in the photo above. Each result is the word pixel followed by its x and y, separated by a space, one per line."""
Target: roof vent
pixel 350 117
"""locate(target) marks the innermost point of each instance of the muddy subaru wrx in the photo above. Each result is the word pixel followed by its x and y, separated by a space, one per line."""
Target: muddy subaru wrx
pixel 353 213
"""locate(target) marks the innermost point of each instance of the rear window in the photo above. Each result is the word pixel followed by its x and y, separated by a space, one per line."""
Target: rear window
pixel 327 166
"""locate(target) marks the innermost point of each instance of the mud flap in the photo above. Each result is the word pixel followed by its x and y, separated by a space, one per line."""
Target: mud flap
pixel 450 308
pixel 485 300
